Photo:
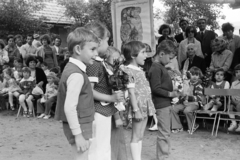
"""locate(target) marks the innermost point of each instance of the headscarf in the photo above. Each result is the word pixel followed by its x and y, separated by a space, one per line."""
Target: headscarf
pixel 219 44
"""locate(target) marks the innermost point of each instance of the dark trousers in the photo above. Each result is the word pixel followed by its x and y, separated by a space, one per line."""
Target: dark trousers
pixel 163 137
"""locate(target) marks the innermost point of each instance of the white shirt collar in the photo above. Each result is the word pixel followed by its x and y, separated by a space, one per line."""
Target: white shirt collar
pixel 134 67
pixel 203 31
pixel 80 64
pixel 98 59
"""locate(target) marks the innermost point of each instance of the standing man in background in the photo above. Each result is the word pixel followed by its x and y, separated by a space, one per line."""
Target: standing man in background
pixel 205 37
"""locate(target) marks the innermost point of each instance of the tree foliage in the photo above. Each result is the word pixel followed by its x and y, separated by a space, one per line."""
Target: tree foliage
pixel 190 10
pixel 16 17
pixel 84 12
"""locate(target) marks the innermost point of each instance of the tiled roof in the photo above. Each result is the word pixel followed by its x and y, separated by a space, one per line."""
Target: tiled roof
pixel 54 13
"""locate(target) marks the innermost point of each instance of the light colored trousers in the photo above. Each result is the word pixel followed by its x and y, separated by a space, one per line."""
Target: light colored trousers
pixel 163 141
pixel 100 148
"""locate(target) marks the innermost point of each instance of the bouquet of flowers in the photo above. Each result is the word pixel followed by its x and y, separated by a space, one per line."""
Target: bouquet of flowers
pixel 118 81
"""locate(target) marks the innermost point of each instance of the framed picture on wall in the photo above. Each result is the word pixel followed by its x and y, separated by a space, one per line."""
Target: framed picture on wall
pixel 133 21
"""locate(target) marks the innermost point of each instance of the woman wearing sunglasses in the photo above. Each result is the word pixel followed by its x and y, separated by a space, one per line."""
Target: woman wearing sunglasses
pixel 191 32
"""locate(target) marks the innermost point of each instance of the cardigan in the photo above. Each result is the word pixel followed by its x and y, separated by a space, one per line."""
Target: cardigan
pixel 161 85
pixel 41 53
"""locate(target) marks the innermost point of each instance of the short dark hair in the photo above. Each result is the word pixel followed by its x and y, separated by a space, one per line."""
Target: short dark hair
pixel 46 37
pixel 17 36
pixel 30 59
pixel 131 49
pixel 30 35
pixel 181 21
pixel 58 37
pixel 44 63
pixel 164 26
pixel 10 37
pixel 227 27
pixel 188 29
pixel 219 70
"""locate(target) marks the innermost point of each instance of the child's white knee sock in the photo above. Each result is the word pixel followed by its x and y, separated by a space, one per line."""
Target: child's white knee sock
pixel 140 148
pixel 135 151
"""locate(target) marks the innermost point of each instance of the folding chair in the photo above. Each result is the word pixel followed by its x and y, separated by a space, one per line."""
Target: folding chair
pixel 201 113
pixel 230 92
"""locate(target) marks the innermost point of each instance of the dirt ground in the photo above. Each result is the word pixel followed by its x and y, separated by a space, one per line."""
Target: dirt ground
pixel 39 139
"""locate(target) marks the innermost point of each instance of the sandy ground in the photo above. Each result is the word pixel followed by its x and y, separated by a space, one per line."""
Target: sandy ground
pixel 38 139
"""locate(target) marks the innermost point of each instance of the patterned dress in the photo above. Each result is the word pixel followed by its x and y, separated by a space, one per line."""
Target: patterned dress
pixel 138 80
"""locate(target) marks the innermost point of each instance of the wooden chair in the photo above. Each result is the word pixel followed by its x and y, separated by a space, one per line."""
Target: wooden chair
pixel 201 114
pixel 229 93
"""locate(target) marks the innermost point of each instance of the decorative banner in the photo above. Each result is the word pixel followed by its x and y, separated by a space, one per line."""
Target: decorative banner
pixel 133 21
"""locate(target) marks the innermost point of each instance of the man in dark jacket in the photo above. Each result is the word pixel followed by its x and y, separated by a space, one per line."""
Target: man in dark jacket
pixel 183 24
pixel 205 37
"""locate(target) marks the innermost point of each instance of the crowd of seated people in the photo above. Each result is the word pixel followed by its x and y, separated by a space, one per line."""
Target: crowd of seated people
pixel 29 73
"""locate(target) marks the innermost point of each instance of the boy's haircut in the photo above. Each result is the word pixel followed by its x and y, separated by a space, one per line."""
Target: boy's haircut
pixel 79 37
pixel 219 70
pixel 26 69
pixel 39 59
pixel 45 64
pixel 196 71
pixel 131 49
pixel 166 46
pixel 98 29
pixel 9 71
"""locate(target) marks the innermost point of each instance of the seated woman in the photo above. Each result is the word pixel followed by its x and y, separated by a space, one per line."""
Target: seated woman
pixel 193 60
pixel 190 33
pixel 221 57
pixel 37 73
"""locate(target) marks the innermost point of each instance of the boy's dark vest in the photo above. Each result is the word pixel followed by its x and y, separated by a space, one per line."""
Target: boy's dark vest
pixel 221 86
pixel 85 107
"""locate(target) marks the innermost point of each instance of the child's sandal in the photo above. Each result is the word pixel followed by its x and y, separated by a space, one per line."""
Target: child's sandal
pixel 25 113
pixel 30 114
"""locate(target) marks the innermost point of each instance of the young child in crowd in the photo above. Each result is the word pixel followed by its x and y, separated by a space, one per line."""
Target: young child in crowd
pixel 44 67
pixel 26 84
pixel 216 102
pixel 173 64
pixel 118 144
pixel 188 106
pixel 235 100
pixel 139 94
pixel 162 94
pixel 18 69
pixel 10 86
pixel 103 96
pixel 75 104
pixel 49 98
